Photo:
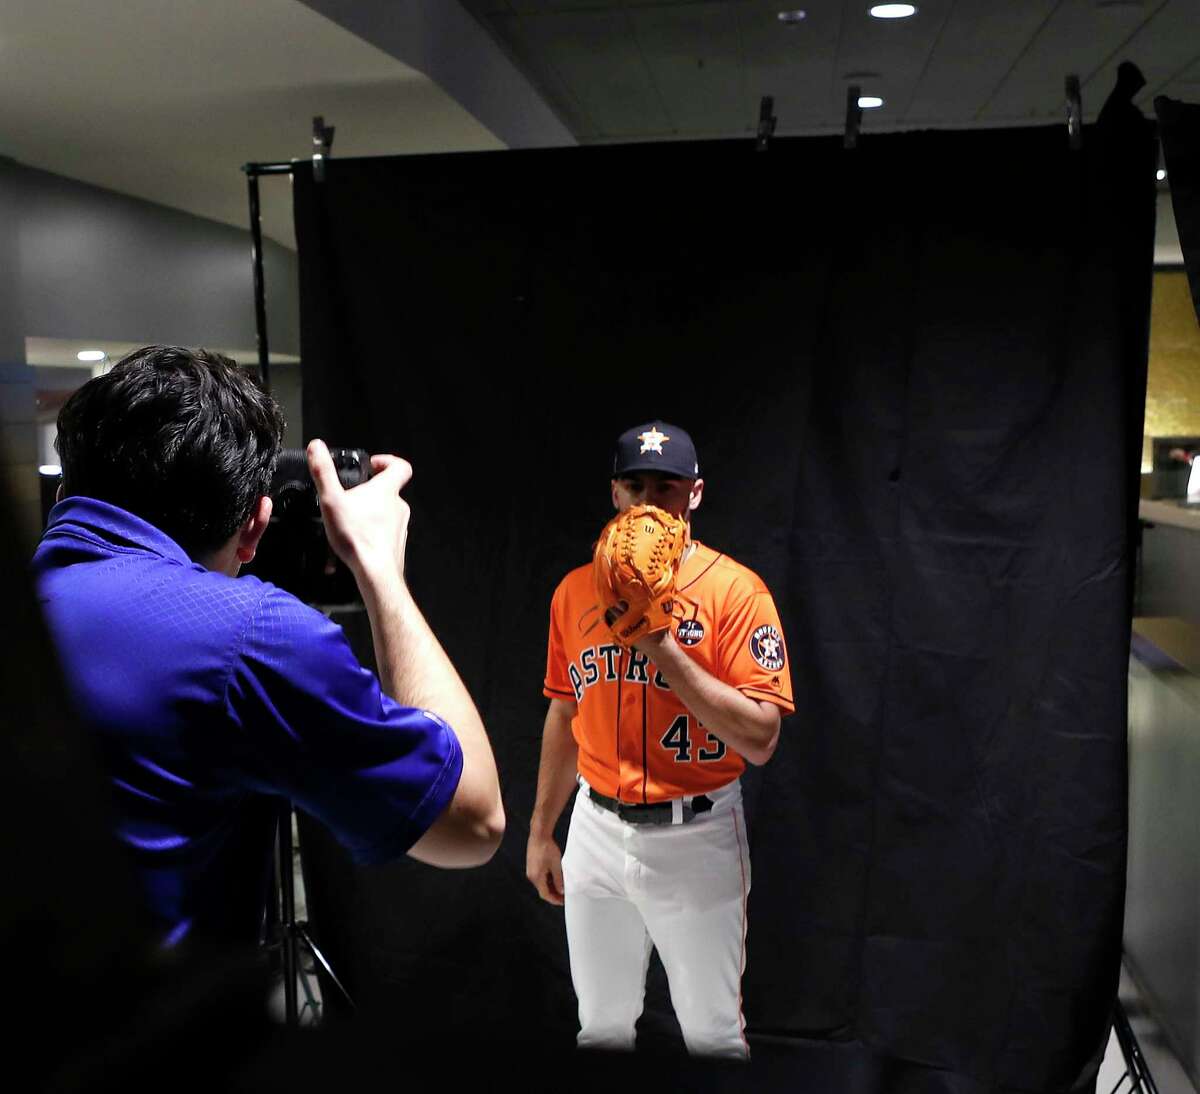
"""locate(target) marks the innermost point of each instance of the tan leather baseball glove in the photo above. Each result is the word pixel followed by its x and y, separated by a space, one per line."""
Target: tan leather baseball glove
pixel 634 568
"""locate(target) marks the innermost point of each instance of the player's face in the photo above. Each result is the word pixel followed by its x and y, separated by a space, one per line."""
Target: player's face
pixel 677 495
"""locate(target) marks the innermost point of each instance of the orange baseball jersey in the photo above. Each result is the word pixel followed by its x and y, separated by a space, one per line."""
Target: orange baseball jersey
pixel 637 741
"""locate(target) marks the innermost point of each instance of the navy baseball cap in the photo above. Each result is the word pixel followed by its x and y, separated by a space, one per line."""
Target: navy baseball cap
pixel 656 446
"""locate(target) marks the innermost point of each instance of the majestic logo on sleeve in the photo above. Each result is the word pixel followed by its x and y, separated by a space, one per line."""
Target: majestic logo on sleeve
pixel 652 441
pixel 766 647
pixel 689 632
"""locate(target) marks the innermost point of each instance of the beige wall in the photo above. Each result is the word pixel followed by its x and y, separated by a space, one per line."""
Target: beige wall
pixel 1173 384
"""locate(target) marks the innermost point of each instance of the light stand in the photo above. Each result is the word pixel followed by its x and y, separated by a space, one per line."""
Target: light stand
pixel 285 931
pixel 289 932
pixel 1136 1069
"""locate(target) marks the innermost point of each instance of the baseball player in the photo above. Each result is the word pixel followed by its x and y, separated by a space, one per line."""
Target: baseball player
pixel 656 736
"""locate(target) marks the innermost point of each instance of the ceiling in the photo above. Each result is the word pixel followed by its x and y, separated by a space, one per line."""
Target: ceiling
pixel 166 101
pixel 661 69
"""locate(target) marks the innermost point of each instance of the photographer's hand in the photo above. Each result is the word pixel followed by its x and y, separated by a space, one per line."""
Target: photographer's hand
pixel 367 527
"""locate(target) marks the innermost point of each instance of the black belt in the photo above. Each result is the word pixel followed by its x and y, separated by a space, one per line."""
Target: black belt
pixel 652 812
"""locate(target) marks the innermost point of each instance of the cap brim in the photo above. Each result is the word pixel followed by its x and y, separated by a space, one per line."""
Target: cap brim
pixel 629 470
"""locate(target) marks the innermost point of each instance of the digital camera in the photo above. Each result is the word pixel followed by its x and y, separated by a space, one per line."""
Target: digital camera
pixel 294 553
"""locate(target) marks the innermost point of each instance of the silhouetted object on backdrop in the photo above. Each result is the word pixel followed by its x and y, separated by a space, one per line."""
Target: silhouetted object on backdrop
pixel 1120 101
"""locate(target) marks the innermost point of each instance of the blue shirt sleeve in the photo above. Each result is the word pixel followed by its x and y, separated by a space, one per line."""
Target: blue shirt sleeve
pixel 315 726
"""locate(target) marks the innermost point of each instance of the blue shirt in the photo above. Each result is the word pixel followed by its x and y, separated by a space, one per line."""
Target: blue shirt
pixel 212 698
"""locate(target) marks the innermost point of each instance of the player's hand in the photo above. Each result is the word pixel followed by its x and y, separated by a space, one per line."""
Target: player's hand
pixel 649 644
pixel 367 525
pixel 654 645
pixel 543 867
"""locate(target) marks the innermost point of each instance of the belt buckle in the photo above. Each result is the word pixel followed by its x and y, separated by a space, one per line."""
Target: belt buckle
pixel 640 814
pixel 663 813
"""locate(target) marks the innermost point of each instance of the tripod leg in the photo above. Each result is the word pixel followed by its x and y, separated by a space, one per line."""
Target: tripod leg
pixel 311 1002
pixel 287 885
pixel 307 939
pixel 293 932
pixel 1139 1071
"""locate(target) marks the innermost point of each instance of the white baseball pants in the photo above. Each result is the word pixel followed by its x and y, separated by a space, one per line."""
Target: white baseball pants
pixel 681 888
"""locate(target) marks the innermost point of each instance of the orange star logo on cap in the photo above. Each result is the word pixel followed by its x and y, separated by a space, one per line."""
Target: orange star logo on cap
pixel 652 441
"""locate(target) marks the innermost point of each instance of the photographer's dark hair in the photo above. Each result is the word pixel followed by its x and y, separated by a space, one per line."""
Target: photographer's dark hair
pixel 181 438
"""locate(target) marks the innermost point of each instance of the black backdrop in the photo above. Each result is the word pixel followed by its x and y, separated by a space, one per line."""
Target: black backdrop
pixel 915 374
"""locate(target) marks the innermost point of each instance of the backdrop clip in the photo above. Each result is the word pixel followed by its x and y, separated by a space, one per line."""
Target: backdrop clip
pixel 322 143
pixel 766 122
pixel 1074 114
pixel 853 116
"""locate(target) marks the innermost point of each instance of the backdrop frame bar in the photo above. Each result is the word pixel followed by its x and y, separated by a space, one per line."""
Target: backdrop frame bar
pixel 270 168
pixel 260 292
pixel 252 172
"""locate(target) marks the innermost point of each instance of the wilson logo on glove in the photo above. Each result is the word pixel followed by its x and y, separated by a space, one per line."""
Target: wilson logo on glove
pixel 634 569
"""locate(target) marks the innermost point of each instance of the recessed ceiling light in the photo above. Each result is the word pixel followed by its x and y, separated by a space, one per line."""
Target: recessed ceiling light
pixel 869 102
pixel 91 355
pixel 893 11
pixel 1160 174
pixel 49 469
pixel 795 15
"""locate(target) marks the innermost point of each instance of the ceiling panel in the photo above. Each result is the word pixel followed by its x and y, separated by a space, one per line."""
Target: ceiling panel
pixel 1077 39
pixel 896 50
pixel 542 7
pixel 1185 86
pixel 527 42
pixel 976 46
pixel 538 7
pixel 550 7
pixel 1164 48
pixel 795 64
pixel 694 56
pixel 597 56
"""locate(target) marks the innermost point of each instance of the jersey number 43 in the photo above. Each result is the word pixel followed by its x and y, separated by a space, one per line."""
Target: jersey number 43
pixel 678 737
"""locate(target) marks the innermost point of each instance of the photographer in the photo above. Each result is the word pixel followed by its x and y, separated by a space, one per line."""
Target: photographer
pixel 211 697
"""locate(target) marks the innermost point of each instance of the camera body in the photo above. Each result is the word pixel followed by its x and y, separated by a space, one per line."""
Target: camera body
pixel 294 553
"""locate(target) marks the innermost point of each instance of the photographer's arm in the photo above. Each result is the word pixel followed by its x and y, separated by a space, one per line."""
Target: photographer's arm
pixel 368 529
